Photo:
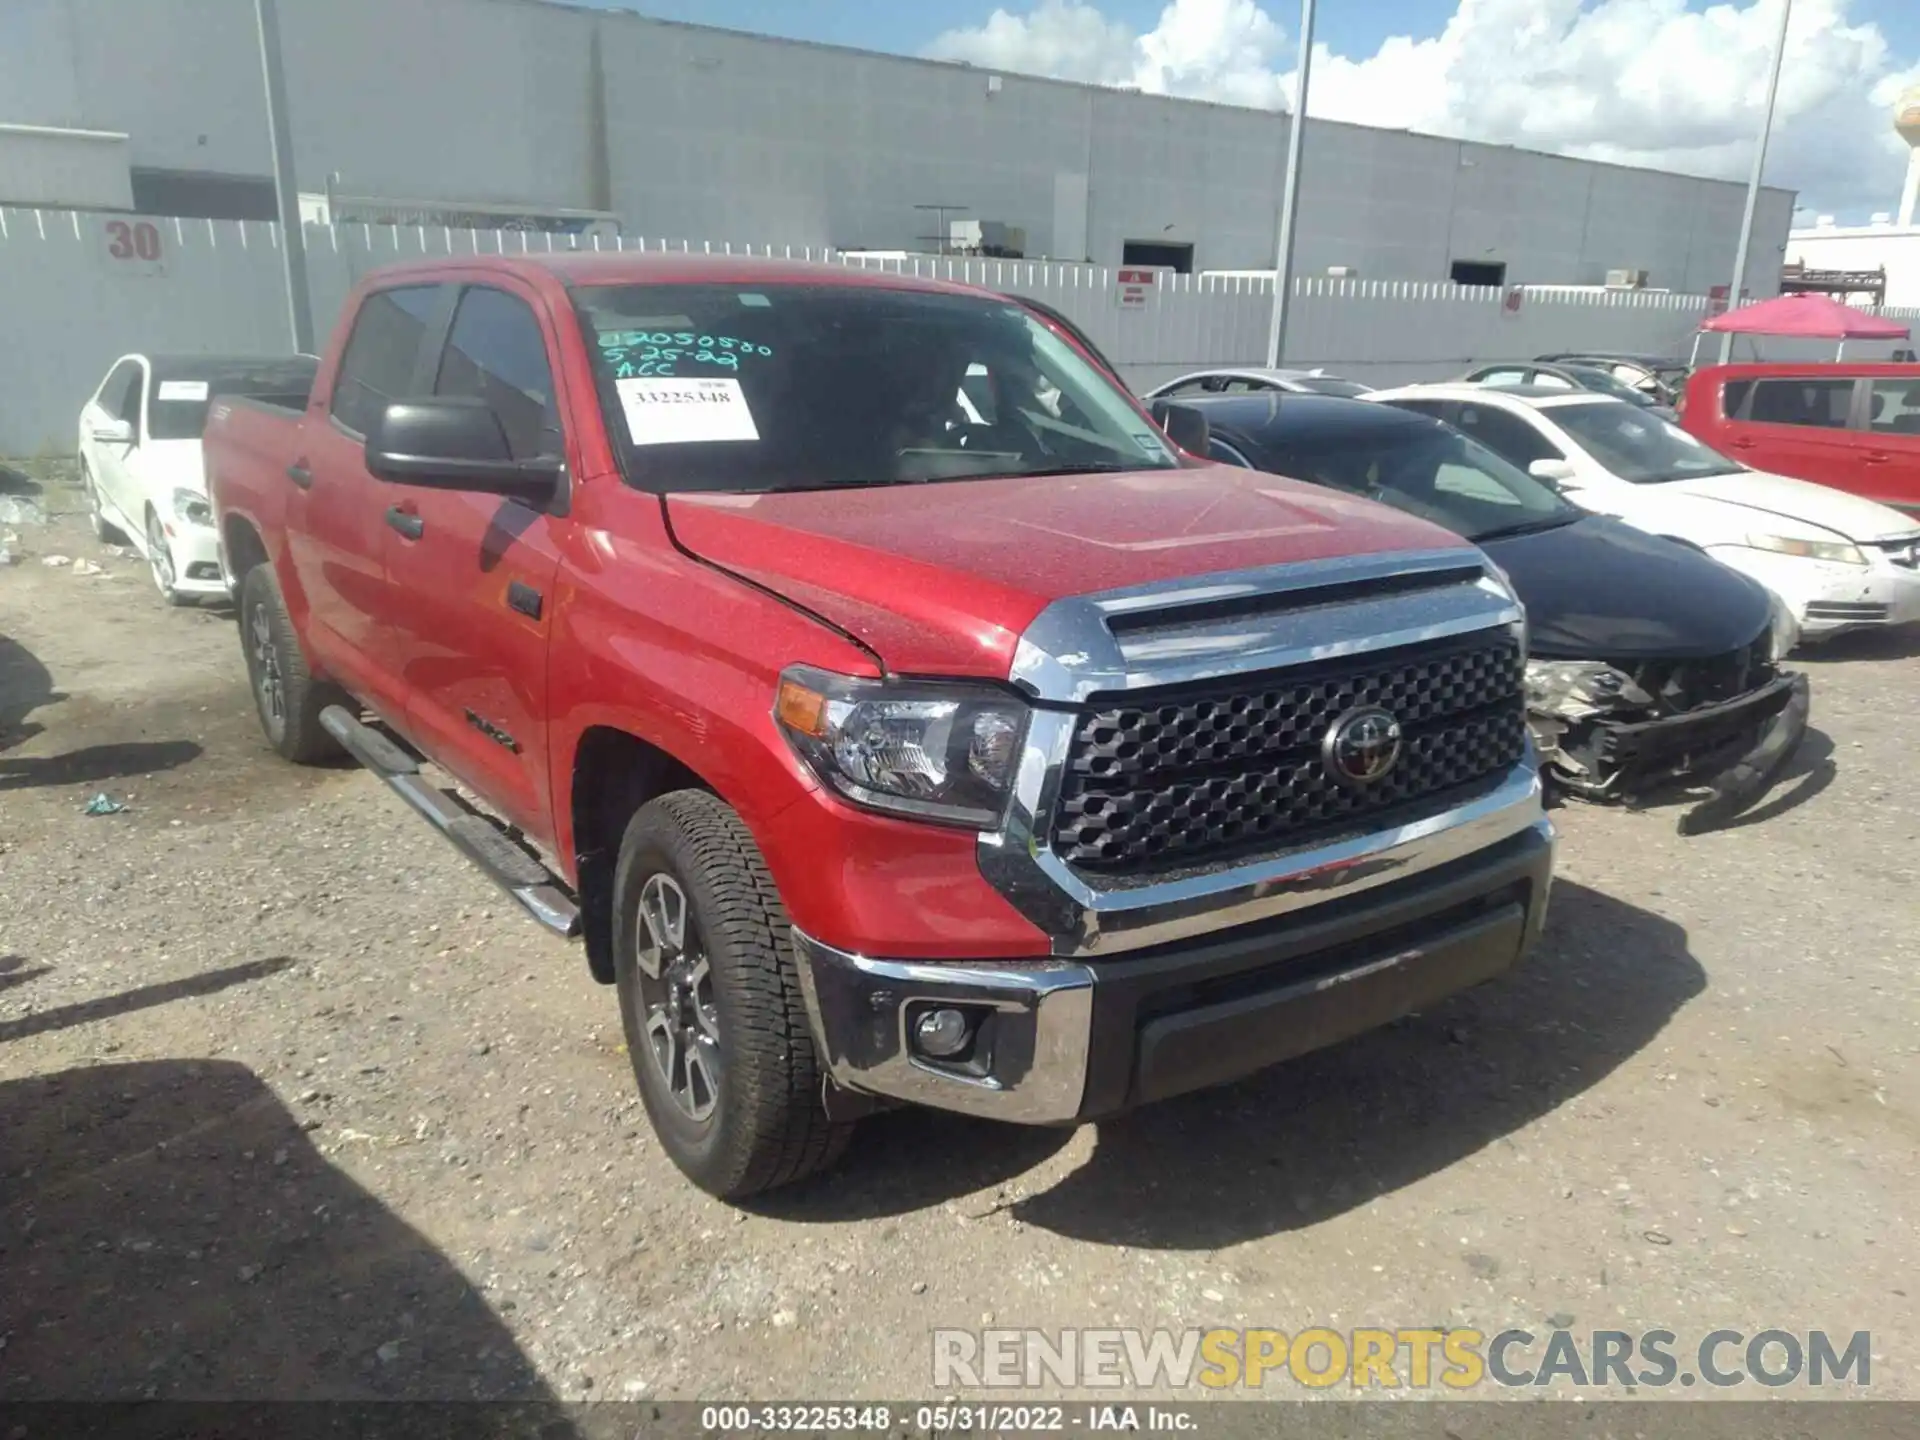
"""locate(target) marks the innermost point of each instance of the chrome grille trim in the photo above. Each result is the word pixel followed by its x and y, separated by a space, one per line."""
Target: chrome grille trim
pixel 1069 655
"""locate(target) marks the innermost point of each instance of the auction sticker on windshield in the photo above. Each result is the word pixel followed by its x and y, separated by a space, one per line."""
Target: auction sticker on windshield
pixel 662 411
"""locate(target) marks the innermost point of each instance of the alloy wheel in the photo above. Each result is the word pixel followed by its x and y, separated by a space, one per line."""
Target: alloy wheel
pixel 267 680
pixel 675 996
pixel 160 558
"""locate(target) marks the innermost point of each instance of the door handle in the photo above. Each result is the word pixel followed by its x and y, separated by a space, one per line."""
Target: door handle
pixel 410 525
pixel 1739 443
pixel 300 474
pixel 1877 457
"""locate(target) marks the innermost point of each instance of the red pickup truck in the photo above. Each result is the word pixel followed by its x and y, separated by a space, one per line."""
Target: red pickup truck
pixel 1855 427
pixel 894 711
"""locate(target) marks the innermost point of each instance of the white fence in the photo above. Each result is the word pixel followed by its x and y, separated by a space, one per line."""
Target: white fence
pixel 77 290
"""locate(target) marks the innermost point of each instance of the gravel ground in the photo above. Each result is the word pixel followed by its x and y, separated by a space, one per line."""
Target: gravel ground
pixel 292 1103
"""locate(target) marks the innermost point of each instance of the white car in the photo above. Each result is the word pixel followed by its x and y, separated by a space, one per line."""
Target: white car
pixel 140 456
pixel 1251 380
pixel 1837 561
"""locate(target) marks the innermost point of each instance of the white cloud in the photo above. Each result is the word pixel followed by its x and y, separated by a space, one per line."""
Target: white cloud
pixel 1641 82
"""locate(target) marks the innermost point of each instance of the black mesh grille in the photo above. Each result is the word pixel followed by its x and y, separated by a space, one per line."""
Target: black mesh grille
pixel 1197 776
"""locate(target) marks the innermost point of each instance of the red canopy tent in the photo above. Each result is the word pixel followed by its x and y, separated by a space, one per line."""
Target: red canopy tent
pixel 1807 317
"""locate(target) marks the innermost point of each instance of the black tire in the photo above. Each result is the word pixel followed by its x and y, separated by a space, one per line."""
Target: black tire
pixel 289 707
pixel 766 1125
pixel 104 530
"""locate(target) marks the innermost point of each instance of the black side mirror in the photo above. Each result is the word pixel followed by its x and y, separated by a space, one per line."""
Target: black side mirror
pixel 1185 425
pixel 454 442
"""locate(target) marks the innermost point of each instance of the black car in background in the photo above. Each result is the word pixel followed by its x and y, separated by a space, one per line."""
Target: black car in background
pixel 1660 376
pixel 1568 376
pixel 1650 665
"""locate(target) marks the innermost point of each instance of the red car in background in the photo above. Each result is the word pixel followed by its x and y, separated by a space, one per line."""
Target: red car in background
pixel 1854 427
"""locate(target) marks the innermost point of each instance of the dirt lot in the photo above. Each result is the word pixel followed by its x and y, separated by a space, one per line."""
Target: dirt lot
pixel 293 1103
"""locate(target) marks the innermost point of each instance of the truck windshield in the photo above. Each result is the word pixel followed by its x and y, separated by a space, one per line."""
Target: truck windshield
pixel 1639 446
pixel 760 387
pixel 1448 479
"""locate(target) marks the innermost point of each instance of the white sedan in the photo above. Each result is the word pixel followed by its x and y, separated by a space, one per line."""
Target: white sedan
pixel 1253 380
pixel 1838 562
pixel 140 456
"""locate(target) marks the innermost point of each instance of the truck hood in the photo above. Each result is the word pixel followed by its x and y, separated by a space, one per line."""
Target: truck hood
pixel 1853 516
pixel 1600 590
pixel 943 578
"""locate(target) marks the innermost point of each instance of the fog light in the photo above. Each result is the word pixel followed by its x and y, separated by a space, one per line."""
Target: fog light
pixel 942 1033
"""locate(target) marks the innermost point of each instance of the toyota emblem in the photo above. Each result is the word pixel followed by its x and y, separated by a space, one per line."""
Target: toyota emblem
pixel 1362 747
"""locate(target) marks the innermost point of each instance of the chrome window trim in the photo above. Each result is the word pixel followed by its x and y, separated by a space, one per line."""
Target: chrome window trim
pixel 1068 655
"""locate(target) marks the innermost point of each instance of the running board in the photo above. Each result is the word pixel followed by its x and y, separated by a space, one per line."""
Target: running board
pixel 513 869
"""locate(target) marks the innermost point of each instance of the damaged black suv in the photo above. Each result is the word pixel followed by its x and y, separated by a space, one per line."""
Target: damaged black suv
pixel 1651 666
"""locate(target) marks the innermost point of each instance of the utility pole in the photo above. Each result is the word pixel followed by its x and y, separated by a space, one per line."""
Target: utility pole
pixel 1290 196
pixel 1753 181
pixel 293 240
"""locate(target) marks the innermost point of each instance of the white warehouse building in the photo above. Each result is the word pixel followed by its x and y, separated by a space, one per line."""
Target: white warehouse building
pixel 493 112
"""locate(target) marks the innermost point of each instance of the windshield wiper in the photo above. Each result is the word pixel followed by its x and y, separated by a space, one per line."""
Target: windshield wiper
pixel 1523 527
pixel 1090 467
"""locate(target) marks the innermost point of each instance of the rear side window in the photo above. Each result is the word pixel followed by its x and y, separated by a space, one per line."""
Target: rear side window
pixel 377 367
pixel 1823 404
pixel 1508 436
pixel 1895 408
pixel 496 353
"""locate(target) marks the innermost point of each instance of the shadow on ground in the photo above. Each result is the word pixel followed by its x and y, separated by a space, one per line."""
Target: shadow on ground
pixel 170 1232
pixel 97 764
pixel 1807 775
pixel 25 686
pixel 107 1007
pixel 1899 642
pixel 1322 1135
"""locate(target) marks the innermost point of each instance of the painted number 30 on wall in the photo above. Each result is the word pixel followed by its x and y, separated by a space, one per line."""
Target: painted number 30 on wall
pixel 133 240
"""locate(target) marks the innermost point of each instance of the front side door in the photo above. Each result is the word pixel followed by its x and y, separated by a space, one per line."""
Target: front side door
pixel 1890 461
pixel 336 532
pixel 472 575
pixel 111 461
pixel 1794 425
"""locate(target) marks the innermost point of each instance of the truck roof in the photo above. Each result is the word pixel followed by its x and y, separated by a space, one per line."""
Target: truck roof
pixel 1810 370
pixel 658 267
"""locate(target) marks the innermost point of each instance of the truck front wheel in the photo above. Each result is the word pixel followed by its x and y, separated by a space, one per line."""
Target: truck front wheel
pixel 716 1027
pixel 285 693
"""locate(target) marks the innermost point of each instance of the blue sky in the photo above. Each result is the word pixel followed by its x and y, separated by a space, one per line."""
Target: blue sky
pixel 1349 27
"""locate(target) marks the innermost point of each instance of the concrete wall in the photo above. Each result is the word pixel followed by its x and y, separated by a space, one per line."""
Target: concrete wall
pixel 688 130
pixel 80 289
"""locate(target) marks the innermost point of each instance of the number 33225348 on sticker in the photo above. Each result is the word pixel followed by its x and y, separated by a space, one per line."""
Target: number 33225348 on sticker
pixel 665 411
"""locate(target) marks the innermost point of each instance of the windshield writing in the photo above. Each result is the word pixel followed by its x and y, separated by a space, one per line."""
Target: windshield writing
pixel 793 387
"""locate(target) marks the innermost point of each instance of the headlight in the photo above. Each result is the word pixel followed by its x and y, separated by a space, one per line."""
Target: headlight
pixel 925 749
pixel 1785 631
pixel 1503 582
pixel 192 507
pixel 1574 689
pixel 1837 551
